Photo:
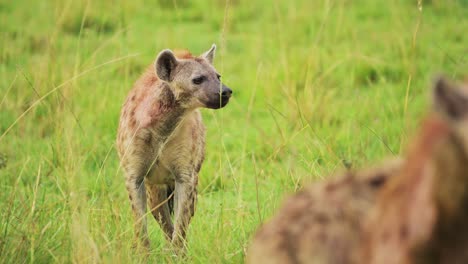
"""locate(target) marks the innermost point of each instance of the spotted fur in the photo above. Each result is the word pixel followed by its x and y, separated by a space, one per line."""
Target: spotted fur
pixel 322 223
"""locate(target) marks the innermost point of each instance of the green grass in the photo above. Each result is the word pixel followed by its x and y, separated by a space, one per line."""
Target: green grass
pixel 318 85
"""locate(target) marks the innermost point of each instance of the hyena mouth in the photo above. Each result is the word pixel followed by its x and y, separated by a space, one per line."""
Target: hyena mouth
pixel 219 103
pixel 221 98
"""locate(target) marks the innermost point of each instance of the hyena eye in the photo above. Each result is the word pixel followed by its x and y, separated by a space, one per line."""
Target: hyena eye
pixel 219 76
pixel 198 80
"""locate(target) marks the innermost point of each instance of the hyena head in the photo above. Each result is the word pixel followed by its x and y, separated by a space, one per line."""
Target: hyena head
pixel 194 81
pixel 451 101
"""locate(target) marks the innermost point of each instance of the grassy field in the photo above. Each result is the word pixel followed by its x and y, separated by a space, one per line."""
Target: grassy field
pixel 318 86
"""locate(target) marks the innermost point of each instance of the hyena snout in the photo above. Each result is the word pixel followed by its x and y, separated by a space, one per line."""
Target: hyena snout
pixel 221 98
pixel 226 93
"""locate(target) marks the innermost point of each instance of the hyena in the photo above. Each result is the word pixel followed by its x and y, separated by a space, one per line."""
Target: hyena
pixel 422 215
pixel 161 139
pixel 321 223
pixel 411 211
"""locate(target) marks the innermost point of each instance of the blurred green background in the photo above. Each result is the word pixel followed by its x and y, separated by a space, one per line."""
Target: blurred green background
pixel 318 86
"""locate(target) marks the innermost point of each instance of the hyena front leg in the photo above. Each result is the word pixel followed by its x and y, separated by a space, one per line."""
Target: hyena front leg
pixel 137 195
pixel 185 197
pixel 159 206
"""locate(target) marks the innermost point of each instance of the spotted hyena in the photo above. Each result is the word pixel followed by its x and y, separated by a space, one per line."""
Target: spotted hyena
pixel 411 211
pixel 322 223
pixel 161 139
pixel 422 215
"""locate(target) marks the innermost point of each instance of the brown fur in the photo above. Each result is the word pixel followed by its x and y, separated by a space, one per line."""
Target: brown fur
pixel 161 139
pixel 183 54
pixel 421 216
pixel 322 223
pixel 418 216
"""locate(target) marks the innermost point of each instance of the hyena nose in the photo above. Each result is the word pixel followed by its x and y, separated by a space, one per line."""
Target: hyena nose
pixel 226 92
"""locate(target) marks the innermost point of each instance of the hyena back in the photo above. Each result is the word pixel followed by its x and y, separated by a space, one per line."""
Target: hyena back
pixel 161 139
pixel 322 222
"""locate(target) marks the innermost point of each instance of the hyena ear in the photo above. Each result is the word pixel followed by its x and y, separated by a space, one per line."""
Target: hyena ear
pixel 209 55
pixel 449 99
pixel 165 65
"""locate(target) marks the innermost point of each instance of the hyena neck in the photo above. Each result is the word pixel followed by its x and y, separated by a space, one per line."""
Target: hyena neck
pixel 170 112
pixel 450 184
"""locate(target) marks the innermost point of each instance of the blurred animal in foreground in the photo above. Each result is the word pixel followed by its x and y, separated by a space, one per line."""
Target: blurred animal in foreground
pixel 409 211
pixel 161 139
pixel 323 222
pixel 422 215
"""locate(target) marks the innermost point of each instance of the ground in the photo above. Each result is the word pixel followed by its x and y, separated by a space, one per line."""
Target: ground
pixel 318 86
